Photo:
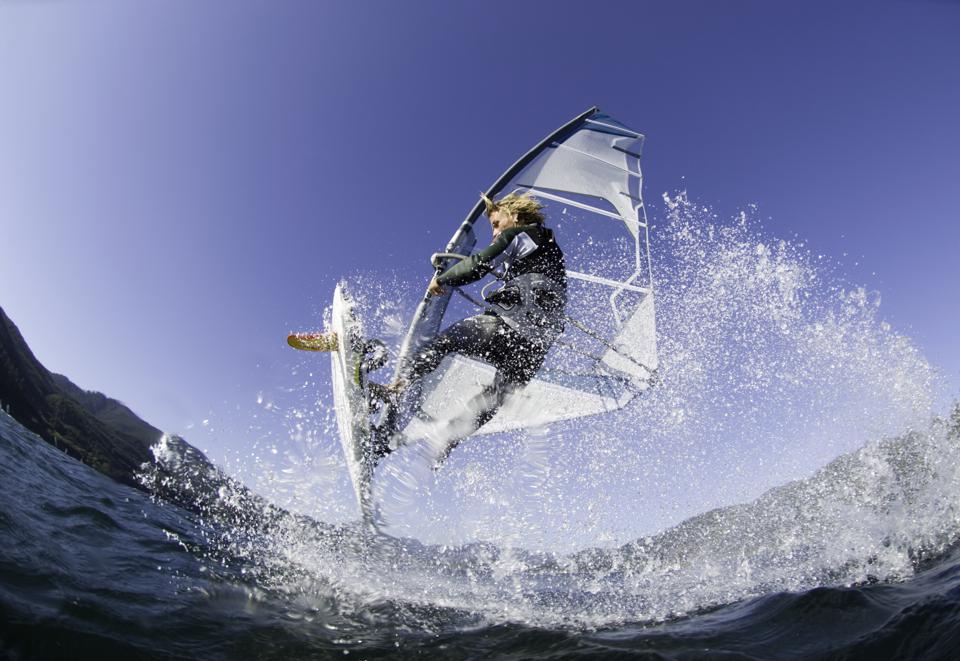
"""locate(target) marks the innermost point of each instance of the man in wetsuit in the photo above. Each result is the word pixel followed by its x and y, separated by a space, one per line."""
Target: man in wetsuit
pixel 522 320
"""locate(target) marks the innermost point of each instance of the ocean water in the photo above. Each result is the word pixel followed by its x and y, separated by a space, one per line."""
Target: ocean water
pixel 790 490
pixel 860 561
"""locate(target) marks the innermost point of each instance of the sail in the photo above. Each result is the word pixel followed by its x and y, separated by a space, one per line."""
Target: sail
pixel 587 174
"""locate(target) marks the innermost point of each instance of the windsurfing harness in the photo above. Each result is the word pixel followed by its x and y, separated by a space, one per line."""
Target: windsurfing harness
pixel 533 296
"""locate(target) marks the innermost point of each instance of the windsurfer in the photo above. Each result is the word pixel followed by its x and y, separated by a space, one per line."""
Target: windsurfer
pixel 521 321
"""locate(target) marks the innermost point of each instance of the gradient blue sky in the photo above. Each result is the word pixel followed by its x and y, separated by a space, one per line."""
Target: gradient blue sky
pixel 183 182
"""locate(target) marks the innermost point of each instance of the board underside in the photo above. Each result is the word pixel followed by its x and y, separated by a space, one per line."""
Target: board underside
pixel 350 399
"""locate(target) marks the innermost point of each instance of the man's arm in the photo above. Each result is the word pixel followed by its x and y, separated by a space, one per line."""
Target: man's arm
pixel 478 264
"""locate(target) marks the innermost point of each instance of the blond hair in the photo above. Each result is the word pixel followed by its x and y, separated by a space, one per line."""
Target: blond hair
pixel 527 208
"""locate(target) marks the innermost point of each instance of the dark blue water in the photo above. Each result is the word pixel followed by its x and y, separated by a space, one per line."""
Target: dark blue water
pixel 93 569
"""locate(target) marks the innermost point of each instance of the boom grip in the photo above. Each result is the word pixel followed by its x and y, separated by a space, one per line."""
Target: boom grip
pixel 437 257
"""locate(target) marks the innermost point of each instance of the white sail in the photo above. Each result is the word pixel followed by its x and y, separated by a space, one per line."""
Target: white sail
pixel 588 175
pixel 539 403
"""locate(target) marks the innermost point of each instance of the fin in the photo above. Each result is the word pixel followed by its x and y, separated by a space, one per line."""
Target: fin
pixel 314 341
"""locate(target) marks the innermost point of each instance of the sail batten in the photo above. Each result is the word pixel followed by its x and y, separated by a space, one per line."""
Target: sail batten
pixel 580 205
pixel 622 129
pixel 627 152
pixel 617 284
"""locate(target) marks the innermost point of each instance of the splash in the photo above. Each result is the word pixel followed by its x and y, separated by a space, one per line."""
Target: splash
pixel 791 443
pixel 770 368
pixel 876 514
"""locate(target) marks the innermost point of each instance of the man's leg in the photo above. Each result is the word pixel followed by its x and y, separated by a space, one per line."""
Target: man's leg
pixel 517 361
pixel 476 336
pixel 485 337
pixel 481 408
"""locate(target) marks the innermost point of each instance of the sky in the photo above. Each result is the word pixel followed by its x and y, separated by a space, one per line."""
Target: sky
pixel 183 183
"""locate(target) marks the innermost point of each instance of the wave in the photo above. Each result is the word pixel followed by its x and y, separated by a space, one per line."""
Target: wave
pixel 875 515
pixel 863 556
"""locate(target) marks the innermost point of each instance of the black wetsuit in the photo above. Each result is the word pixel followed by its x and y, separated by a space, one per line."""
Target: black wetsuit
pixel 516 352
pixel 518 328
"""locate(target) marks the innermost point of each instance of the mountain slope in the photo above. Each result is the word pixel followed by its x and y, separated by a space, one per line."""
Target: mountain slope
pixel 97 430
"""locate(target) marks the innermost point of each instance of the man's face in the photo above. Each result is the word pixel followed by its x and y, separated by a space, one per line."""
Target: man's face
pixel 501 220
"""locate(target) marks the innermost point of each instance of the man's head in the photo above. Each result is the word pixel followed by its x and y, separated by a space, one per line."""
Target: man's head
pixel 513 210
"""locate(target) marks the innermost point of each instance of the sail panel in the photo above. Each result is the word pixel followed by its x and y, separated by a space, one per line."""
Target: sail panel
pixel 459 379
pixel 634 347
